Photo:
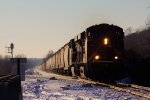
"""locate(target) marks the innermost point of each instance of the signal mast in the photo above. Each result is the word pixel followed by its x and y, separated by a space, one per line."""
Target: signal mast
pixel 10 49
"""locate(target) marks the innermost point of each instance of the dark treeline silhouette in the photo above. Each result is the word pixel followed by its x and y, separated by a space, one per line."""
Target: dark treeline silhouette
pixel 8 67
pixel 32 62
pixel 137 55
pixel 139 42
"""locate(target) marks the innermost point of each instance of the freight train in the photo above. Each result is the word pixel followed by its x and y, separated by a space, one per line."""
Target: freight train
pixel 97 53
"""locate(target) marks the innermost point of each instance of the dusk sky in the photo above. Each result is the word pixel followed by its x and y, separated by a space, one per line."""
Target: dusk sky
pixel 37 26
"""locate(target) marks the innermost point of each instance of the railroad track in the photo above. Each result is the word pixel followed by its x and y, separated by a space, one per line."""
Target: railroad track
pixel 128 88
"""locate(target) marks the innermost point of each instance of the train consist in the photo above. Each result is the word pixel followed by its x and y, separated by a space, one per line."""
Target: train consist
pixel 96 53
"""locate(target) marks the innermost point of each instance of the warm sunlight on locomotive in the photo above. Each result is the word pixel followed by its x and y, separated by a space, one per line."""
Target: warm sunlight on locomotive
pixel 106 41
pixel 116 57
pixel 97 57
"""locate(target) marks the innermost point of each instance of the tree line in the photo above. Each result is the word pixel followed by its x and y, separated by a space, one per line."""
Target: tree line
pixel 137 54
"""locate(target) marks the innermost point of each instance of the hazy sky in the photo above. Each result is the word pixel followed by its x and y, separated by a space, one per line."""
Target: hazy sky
pixel 36 26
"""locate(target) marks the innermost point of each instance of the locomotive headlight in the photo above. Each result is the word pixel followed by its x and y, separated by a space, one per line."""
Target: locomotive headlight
pixel 106 41
pixel 97 57
pixel 116 57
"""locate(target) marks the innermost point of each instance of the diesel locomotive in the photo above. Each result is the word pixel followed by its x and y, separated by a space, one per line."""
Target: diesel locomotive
pixel 97 53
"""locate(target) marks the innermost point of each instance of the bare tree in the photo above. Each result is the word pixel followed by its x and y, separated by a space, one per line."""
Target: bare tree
pixel 129 30
pixel 49 54
pixel 147 22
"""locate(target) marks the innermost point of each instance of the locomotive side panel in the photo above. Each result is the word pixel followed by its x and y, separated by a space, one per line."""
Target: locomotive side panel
pixel 70 56
pixel 85 51
pixel 79 52
pixel 81 48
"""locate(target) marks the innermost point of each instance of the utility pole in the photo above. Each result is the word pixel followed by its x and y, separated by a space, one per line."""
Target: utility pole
pixel 10 49
pixel 147 22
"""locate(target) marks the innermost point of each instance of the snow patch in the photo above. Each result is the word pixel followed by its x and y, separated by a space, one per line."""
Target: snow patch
pixel 48 86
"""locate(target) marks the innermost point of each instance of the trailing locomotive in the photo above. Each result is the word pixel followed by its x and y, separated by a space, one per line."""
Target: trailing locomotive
pixel 97 53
